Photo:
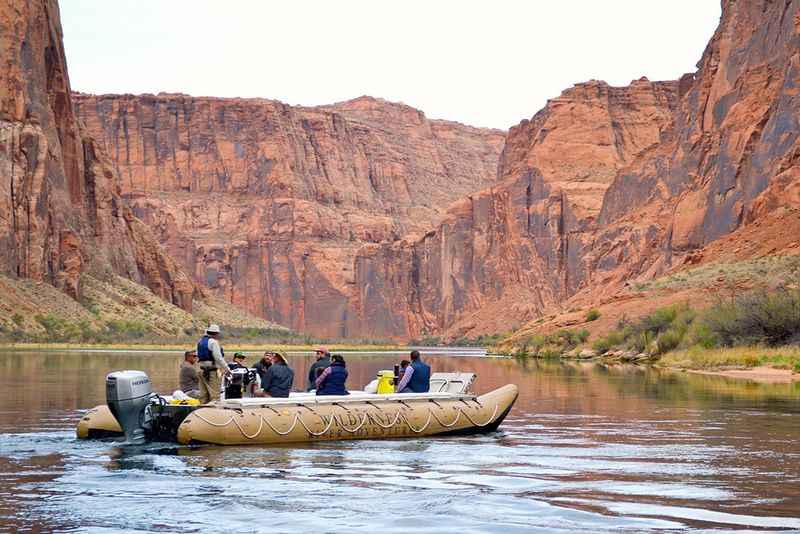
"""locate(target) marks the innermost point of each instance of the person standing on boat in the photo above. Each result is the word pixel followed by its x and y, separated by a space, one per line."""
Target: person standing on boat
pixel 323 361
pixel 333 378
pixel 188 382
pixel 212 359
pixel 417 376
pixel 278 379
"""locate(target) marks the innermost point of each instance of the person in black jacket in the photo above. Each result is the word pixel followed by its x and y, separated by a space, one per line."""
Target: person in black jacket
pixel 278 378
pixel 234 388
pixel 323 361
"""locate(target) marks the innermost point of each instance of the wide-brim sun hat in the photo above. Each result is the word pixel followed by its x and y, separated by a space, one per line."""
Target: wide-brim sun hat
pixel 212 329
pixel 281 355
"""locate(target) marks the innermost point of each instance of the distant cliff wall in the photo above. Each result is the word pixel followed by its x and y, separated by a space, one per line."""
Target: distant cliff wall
pixel 267 204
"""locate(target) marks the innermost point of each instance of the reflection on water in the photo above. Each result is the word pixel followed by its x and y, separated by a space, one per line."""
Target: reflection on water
pixel 586 448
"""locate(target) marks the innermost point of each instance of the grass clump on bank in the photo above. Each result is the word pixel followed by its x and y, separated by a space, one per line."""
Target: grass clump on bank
pixel 698 358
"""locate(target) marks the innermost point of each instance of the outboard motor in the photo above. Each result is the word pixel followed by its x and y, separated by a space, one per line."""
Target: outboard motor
pixel 128 396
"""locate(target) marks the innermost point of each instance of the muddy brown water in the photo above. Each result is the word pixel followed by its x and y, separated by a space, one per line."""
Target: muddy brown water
pixel 586 448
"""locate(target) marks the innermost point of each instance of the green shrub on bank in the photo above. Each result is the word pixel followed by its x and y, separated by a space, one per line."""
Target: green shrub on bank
pixel 757 318
pixel 592 315
pixel 754 318
pixel 657 333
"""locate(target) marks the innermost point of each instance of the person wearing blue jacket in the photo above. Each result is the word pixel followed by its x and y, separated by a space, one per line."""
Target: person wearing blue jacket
pixel 212 360
pixel 333 378
pixel 417 376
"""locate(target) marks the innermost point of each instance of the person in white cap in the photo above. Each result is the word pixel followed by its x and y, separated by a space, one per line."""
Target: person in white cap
pixel 212 359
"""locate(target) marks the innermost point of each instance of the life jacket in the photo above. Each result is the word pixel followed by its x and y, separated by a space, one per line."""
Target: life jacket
pixel 421 378
pixel 203 352
pixel 334 382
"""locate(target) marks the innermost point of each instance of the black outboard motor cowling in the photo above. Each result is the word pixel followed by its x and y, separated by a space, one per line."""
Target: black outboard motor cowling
pixel 128 395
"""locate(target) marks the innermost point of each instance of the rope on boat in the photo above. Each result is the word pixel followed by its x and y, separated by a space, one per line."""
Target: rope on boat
pixel 260 426
pixel 324 431
pixel 390 425
pixel 458 416
pixel 335 417
pixel 496 406
pixel 421 430
pixel 356 428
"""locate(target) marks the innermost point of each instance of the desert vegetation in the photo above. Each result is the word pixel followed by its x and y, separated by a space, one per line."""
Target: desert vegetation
pixel 742 328
pixel 756 327
pixel 551 345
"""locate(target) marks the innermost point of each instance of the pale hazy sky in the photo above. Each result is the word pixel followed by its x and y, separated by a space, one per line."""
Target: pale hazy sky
pixel 488 63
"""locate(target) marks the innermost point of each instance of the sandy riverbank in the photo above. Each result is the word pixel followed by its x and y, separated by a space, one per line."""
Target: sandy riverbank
pixel 762 374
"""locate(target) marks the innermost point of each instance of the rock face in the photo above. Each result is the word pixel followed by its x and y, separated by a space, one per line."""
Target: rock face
pixel 507 252
pixel 268 204
pixel 609 185
pixel 731 158
pixel 60 209
pixel 332 219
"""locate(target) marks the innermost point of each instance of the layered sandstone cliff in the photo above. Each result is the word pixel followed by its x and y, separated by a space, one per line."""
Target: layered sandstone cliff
pixel 596 195
pixel 335 219
pixel 509 251
pixel 733 157
pixel 60 209
pixel 268 204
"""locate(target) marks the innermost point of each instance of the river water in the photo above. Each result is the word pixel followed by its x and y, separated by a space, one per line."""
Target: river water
pixel 586 448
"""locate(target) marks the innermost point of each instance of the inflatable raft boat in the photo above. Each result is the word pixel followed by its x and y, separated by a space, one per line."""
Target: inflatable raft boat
pixel 302 417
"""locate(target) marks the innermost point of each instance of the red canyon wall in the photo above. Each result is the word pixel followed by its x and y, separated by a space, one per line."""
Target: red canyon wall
pixel 511 250
pixel 60 209
pixel 268 204
pixel 608 185
pixel 365 218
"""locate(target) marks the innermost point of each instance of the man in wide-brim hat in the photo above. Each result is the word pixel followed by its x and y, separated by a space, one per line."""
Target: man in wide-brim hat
pixel 279 377
pixel 212 360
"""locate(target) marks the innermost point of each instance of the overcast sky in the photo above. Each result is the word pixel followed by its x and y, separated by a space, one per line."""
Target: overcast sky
pixel 486 63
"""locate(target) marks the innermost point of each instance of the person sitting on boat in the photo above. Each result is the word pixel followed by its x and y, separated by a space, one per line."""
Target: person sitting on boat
pixel 212 358
pixel 403 366
pixel 234 390
pixel 323 361
pixel 417 377
pixel 263 364
pixel 278 379
pixel 188 381
pixel 333 378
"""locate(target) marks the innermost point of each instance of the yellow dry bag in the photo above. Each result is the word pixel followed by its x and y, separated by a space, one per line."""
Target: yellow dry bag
pixel 385 382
